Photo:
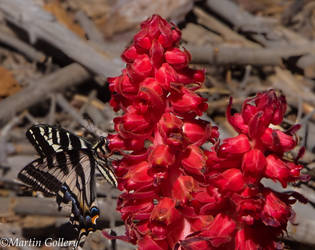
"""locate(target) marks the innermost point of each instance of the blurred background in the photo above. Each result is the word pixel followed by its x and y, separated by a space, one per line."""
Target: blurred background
pixel 55 56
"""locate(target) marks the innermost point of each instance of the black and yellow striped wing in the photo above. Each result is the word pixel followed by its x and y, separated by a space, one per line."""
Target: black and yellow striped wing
pixel 66 169
pixel 70 177
pixel 48 140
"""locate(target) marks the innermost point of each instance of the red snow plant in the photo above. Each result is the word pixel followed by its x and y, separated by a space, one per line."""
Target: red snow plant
pixel 179 192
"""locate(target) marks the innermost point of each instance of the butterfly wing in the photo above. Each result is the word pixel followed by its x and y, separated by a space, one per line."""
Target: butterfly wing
pixel 49 140
pixel 68 175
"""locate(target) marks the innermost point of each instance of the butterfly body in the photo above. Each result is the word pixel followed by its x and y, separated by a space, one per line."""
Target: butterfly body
pixel 66 169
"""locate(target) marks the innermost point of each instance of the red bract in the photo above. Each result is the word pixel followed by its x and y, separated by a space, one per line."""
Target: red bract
pixel 176 193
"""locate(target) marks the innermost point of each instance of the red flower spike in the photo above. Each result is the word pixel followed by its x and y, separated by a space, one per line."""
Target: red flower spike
pixel 177 192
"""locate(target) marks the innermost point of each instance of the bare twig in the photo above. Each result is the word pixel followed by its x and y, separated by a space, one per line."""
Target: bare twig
pixel 41 89
pixel 39 24
pixel 21 46
pixel 52 110
pixel 243 20
pixel 89 27
pixel 227 54
pixel 224 30
pixel 221 55
pixel 4 136
pixel 84 106
pixel 75 115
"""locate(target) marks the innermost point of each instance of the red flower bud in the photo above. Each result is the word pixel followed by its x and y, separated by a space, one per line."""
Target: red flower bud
pixel 130 54
pixel 234 146
pixel 276 169
pixel 183 188
pixel 277 141
pixel 142 40
pixel 253 165
pixel 137 176
pixel 194 160
pixel 179 59
pixel 165 212
pixel 188 103
pixel 275 212
pixel 197 131
pixel 161 156
pixel 140 68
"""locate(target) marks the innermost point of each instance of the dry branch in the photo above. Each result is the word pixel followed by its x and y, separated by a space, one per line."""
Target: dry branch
pixel 241 19
pixel 227 54
pixel 77 117
pixel 21 46
pixel 224 30
pixel 40 90
pixel 260 29
pixel 283 42
pixel 39 24
pixel 284 80
pixel 89 27
pixel 221 55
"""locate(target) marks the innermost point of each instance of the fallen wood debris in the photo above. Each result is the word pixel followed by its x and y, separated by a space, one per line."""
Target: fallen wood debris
pixel 56 55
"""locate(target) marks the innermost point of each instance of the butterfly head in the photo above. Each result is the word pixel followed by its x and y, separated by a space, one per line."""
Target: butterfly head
pixel 101 148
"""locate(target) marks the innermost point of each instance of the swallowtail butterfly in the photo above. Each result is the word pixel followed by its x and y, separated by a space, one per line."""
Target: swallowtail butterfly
pixel 66 169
